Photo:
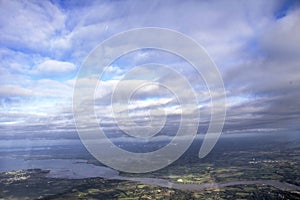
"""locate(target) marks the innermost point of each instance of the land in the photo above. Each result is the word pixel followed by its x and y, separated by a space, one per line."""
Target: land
pixel 32 184
pixel 248 168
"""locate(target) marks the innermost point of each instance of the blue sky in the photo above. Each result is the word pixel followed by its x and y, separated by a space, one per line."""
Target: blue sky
pixel 255 45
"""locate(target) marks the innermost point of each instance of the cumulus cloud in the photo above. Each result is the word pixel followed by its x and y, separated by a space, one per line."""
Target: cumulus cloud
pixel 54 68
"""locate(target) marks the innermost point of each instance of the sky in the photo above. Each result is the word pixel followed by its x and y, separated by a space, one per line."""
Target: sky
pixel 254 44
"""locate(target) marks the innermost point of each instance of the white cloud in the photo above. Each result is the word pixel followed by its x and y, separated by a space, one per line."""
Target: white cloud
pixel 29 24
pixel 282 37
pixel 52 88
pixel 54 68
pixel 13 90
pixel 255 52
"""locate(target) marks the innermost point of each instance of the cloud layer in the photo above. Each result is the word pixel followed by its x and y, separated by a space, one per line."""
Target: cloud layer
pixel 255 45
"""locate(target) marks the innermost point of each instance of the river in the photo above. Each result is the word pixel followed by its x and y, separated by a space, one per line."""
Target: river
pixel 78 169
